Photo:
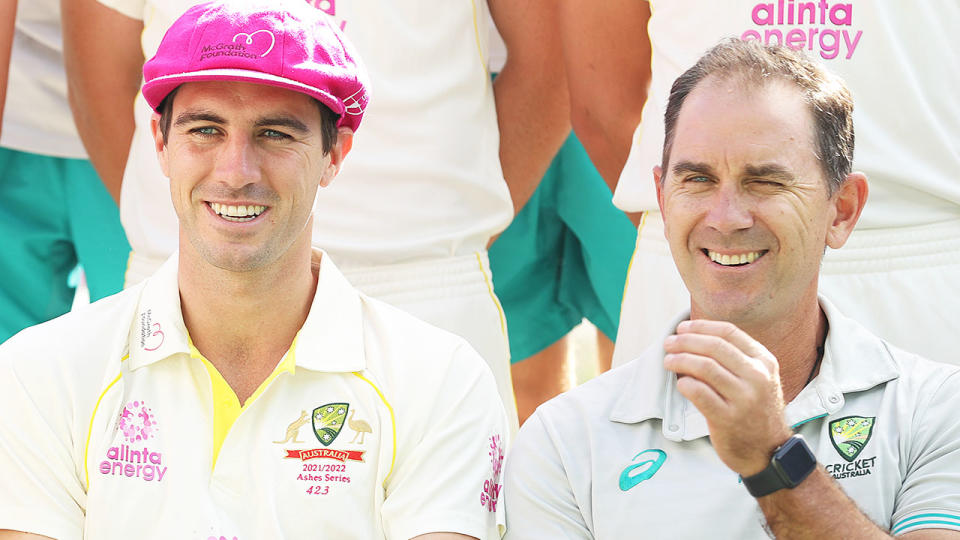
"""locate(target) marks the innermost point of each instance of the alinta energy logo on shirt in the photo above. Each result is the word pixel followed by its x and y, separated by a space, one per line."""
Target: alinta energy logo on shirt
pixel 137 425
pixel 822 27
pixel 850 436
pixel 490 495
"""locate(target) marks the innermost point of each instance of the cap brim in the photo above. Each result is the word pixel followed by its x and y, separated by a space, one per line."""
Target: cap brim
pixel 159 88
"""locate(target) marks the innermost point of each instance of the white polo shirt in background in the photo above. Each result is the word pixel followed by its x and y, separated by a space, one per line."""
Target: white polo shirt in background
pixel 374 425
pixel 626 456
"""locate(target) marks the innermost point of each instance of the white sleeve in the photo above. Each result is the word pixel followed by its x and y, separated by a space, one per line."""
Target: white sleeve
pixel 449 479
pixel 41 491
pixel 131 8
pixel 540 502
pixel 930 494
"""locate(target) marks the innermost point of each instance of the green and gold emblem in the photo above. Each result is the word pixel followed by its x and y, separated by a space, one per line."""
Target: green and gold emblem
pixel 328 421
pixel 850 434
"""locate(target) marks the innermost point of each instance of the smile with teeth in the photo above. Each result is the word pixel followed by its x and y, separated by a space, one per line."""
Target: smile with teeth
pixel 738 259
pixel 237 213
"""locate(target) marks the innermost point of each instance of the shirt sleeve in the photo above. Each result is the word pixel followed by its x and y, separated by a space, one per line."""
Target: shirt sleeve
pixel 929 497
pixel 42 491
pixel 131 8
pixel 540 502
pixel 448 478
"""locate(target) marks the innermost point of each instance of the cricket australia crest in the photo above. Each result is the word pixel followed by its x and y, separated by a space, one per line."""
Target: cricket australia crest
pixel 328 421
pixel 850 434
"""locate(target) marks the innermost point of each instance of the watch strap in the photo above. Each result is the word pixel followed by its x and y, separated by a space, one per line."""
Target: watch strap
pixel 764 482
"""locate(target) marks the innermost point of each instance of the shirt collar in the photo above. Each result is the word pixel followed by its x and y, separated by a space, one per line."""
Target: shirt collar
pixel 331 338
pixel 652 393
pixel 854 360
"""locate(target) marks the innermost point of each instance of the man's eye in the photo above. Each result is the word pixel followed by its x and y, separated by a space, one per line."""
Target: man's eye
pixel 698 179
pixel 274 134
pixel 767 183
pixel 204 131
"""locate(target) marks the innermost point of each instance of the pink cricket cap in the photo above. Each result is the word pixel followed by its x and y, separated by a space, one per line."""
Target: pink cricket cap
pixel 283 43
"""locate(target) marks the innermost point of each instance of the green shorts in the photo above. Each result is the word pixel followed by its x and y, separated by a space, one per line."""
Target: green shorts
pixel 563 258
pixel 54 214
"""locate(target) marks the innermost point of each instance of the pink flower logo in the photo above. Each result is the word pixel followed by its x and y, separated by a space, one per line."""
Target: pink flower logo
pixel 137 422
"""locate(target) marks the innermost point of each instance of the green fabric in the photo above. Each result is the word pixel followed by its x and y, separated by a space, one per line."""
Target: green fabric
pixel 564 257
pixel 54 214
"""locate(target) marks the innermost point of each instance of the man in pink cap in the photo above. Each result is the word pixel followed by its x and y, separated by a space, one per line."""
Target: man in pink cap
pixel 246 390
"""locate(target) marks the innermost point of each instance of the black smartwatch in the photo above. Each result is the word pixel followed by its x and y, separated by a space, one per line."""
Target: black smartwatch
pixel 790 464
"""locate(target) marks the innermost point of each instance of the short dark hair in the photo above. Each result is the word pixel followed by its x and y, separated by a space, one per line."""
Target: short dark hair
pixel 328 120
pixel 826 95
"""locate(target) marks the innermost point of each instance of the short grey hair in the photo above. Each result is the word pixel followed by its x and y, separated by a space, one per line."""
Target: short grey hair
pixel 825 93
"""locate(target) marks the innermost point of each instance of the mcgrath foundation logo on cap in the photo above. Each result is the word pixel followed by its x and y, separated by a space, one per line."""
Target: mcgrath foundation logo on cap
pixel 256 44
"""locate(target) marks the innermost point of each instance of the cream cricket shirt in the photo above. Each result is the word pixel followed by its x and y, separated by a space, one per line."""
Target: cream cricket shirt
pixel 374 425
pixel 626 456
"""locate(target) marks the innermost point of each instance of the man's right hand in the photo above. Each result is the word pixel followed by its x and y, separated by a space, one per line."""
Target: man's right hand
pixel 734 381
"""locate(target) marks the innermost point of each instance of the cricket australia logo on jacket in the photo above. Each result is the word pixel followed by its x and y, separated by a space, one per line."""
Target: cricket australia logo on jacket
pixel 850 436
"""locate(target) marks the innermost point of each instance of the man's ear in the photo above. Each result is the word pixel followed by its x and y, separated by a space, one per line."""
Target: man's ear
pixel 847 203
pixel 159 145
pixel 657 176
pixel 657 180
pixel 337 153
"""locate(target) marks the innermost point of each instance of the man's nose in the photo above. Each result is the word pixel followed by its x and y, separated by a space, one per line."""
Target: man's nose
pixel 238 163
pixel 730 210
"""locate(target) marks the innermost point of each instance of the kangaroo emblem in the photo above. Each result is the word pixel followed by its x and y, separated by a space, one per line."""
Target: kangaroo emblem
pixel 293 430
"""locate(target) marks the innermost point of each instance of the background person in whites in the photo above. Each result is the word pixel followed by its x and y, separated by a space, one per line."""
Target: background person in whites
pixel 563 258
pixel 54 211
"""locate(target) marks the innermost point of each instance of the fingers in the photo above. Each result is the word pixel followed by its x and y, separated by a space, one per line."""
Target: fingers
pixel 733 348
pixel 702 395
pixel 706 370
pixel 727 331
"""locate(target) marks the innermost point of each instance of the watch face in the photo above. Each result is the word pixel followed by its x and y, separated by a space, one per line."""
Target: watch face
pixel 796 460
